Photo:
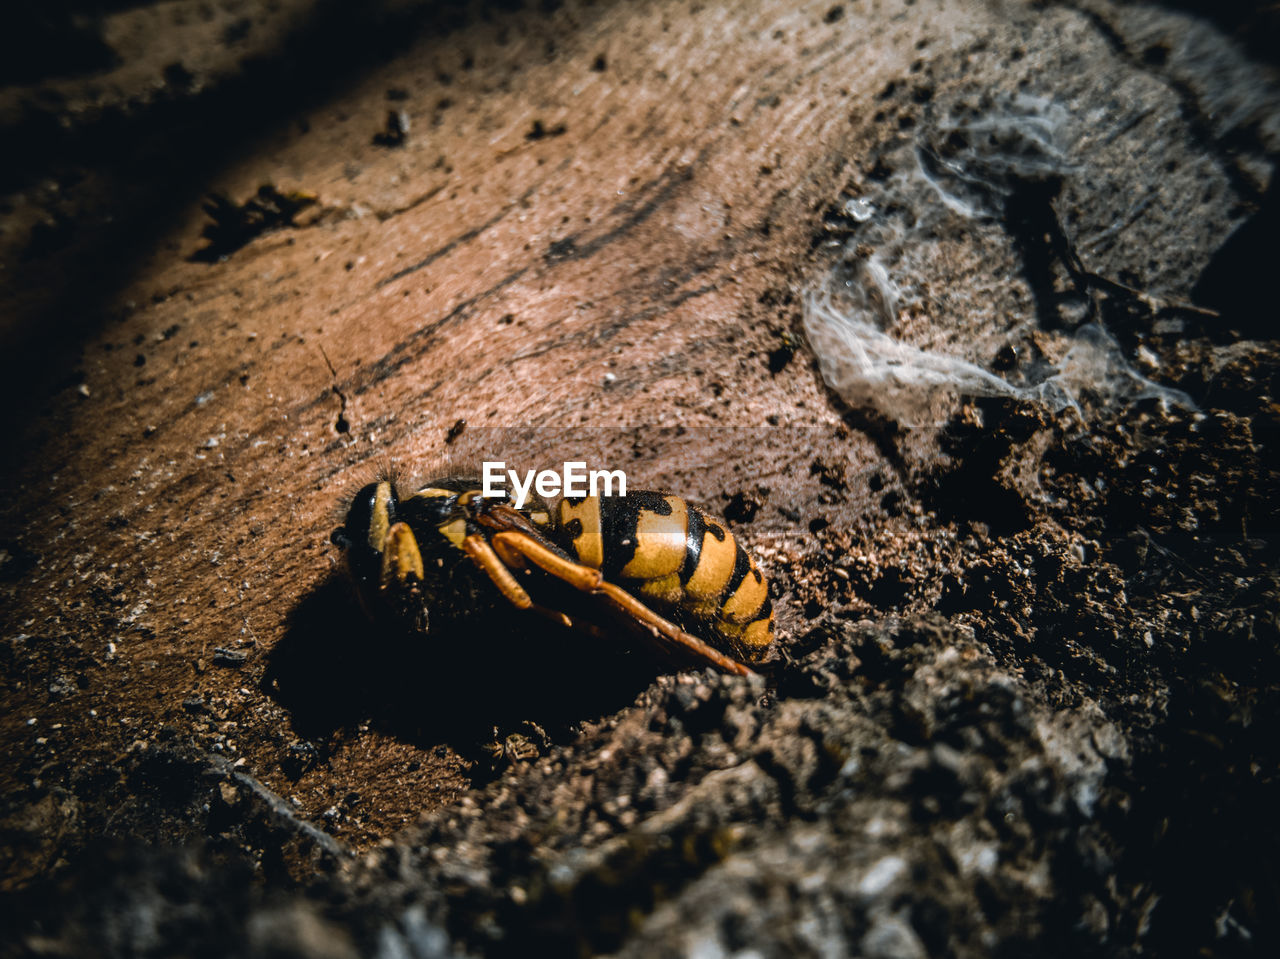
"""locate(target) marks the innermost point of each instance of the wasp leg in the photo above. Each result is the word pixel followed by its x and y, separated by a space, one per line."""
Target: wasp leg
pixel 400 578
pixel 664 629
pixel 484 556
pixel 503 517
pixel 516 548
pixel 401 560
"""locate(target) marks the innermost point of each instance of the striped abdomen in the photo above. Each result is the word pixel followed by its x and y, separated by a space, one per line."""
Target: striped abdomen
pixel 679 561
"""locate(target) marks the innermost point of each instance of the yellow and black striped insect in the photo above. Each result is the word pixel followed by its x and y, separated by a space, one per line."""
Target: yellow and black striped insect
pixel 647 560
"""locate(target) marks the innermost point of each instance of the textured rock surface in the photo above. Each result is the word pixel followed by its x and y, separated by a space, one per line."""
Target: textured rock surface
pixel 1025 697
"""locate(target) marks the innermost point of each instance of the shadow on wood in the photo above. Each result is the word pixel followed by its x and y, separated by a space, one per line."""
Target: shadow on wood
pixel 334 669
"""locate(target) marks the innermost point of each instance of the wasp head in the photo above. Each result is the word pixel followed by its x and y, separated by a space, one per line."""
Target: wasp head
pixel 364 533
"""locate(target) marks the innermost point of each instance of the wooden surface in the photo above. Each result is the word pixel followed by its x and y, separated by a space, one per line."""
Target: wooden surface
pixel 584 196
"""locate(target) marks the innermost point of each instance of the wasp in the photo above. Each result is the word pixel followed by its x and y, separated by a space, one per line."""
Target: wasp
pixel 648 560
